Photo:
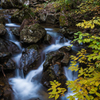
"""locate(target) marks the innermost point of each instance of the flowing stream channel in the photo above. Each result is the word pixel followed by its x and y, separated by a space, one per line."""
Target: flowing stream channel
pixel 29 86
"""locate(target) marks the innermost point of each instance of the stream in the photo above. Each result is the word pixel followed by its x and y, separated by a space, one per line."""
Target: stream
pixel 29 86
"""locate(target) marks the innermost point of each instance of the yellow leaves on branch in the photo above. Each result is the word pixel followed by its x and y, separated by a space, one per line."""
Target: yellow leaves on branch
pixel 56 90
pixel 86 87
pixel 88 6
pixel 90 23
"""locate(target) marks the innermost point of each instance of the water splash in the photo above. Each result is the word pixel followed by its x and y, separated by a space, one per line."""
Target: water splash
pixel 55 47
pixel 11 24
pixel 71 75
pixel 29 87
pixel 34 73
pixel 25 89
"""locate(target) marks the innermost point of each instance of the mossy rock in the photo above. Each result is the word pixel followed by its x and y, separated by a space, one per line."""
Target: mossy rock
pixel 62 20
pixel 32 33
pixel 20 15
pixel 34 46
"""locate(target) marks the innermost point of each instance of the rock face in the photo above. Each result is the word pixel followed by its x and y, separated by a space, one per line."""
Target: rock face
pixel 2 29
pixel 20 15
pixel 49 18
pixel 15 31
pixel 6 4
pixel 6 49
pixel 10 65
pixel 32 33
pixel 47 39
pixel 53 67
pixel 7 46
pixel 28 57
pixel 68 33
pixel 2 19
pixel 4 56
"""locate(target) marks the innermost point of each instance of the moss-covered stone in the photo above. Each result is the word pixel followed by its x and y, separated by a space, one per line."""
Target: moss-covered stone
pixel 34 46
pixel 62 20
pixel 20 15
pixel 2 29
pixel 32 33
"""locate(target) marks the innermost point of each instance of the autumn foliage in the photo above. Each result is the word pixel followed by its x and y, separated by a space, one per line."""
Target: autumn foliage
pixel 87 86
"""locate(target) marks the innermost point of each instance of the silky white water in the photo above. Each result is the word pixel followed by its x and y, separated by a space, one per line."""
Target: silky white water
pixel 29 87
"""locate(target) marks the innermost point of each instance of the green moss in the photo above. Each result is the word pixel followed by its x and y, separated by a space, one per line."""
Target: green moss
pixel 62 20
pixel 34 46
pixel 25 13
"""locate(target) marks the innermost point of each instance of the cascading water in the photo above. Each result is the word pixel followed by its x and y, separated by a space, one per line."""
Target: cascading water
pixel 10 37
pixel 30 87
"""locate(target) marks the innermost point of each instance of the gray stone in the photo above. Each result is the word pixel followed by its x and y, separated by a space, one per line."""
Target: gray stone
pixel 2 29
pixel 32 33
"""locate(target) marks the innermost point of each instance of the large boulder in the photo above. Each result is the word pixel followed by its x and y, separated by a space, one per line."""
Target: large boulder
pixel 28 57
pixel 32 33
pixel 68 33
pixel 53 66
pixel 49 18
pixel 52 58
pixel 2 29
pixel 48 76
pixel 6 49
pixel 20 15
pixel 7 46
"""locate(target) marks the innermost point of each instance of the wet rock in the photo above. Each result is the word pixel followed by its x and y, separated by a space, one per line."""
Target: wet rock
pixel 2 29
pixel 42 17
pixel 47 39
pixel 2 19
pixel 68 33
pixel 56 68
pixel 3 47
pixel 65 49
pixel 25 22
pixel 7 46
pixel 12 47
pixel 51 19
pixel 10 65
pixel 32 33
pixel 66 59
pixel 20 15
pixel 4 56
pixel 15 31
pixel 28 57
pixel 51 59
pixel 62 79
pixel 48 76
pixel 53 70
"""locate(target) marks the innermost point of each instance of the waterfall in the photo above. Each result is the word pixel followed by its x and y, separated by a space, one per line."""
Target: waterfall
pixel 29 87
pixel 10 37
pixel 34 73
